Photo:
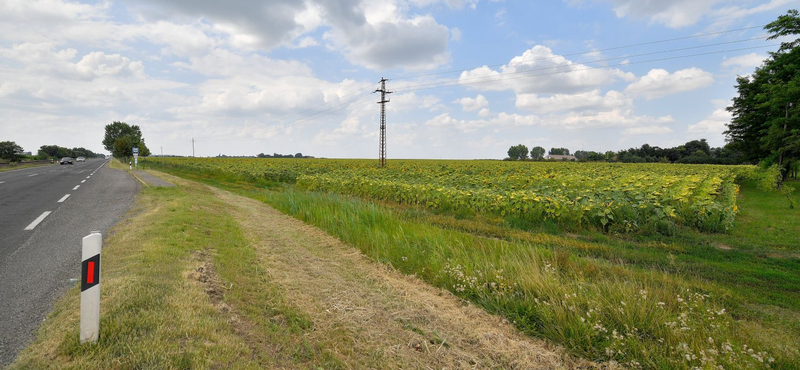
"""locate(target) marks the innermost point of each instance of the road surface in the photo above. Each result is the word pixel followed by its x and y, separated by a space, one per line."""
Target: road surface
pixel 44 214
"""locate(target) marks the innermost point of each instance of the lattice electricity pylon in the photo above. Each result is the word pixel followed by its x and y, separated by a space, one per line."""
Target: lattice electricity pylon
pixel 383 102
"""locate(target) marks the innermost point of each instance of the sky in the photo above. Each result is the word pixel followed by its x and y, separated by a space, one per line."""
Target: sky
pixel 470 78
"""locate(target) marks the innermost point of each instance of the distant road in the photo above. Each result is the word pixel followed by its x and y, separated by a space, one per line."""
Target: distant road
pixel 44 213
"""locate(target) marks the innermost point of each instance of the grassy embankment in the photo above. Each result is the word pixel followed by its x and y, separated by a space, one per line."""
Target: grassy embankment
pixel 198 278
pixel 168 299
pixel 645 299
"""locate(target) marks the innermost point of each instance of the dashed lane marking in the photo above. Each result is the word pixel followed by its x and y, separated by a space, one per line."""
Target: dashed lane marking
pixel 37 221
pixel 76 187
pixel 63 199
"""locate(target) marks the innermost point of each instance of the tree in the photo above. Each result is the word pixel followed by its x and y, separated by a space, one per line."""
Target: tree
pixel 765 125
pixel 537 152
pixel 518 152
pixel 558 151
pixel 10 151
pixel 121 138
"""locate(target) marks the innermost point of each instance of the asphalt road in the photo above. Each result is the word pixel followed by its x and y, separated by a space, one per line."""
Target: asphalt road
pixel 44 214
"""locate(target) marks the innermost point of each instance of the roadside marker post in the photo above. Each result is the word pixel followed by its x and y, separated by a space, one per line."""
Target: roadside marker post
pixel 90 287
pixel 136 158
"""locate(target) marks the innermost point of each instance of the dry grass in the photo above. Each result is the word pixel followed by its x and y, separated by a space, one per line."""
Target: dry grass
pixel 366 314
pixel 197 277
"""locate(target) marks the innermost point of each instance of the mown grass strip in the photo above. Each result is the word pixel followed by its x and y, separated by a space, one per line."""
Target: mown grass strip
pixel 181 290
pixel 599 310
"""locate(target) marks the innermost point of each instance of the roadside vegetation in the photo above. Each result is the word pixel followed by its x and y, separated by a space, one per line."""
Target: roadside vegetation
pixel 674 299
pixel 193 279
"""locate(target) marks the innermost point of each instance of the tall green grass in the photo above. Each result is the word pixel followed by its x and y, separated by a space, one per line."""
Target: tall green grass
pixel 596 309
pixel 600 310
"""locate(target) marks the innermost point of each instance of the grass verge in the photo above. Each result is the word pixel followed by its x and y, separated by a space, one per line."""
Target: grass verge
pixel 168 301
pixel 601 310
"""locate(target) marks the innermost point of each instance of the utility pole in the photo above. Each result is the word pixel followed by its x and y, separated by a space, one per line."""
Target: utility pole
pixel 192 147
pixel 383 102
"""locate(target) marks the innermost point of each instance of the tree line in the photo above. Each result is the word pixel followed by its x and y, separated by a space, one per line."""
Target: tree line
pixel 765 123
pixel 765 126
pixel 695 151
pixel 276 155
pixel 12 152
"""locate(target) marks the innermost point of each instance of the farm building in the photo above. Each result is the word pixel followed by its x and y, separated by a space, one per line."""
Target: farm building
pixel 555 157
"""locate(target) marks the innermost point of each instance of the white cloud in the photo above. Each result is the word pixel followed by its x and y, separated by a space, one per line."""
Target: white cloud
pixel 716 123
pixel 671 13
pixel 412 44
pixel 684 13
pixel 591 101
pixel 45 58
pixel 647 130
pixel 747 61
pixel 539 71
pixel 571 121
pixel 472 104
pixel 99 64
pixel 728 15
pixel 455 34
pixel 658 82
pixel 501 120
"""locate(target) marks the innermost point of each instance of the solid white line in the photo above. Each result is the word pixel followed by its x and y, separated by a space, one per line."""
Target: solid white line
pixel 63 199
pixel 37 221
pixel 76 187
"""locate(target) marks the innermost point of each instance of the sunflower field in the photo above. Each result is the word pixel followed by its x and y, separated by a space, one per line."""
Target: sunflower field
pixel 613 197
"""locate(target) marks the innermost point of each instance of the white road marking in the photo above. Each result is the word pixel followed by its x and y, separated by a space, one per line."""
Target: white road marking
pixel 76 187
pixel 37 221
pixel 88 176
pixel 2 182
pixel 33 175
pixel 63 199
pixel 82 181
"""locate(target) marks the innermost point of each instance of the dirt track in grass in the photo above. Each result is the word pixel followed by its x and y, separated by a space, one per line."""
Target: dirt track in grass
pixel 365 313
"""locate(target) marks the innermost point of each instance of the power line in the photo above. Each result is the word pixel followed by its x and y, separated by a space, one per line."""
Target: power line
pixel 383 102
pixel 584 52
pixel 285 120
pixel 333 109
pixel 326 103
pixel 503 76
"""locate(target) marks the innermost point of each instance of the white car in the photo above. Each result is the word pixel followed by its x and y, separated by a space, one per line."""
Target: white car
pixel 80 159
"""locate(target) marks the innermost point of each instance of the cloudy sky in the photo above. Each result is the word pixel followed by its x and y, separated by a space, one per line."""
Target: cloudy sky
pixel 471 77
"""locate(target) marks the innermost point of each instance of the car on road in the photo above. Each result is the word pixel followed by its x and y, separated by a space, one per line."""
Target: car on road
pixel 66 160
pixel 80 159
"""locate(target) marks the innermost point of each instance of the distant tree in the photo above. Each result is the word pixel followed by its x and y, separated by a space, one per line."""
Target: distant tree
pixel 518 152
pixel 120 139
pixel 10 151
pixel 765 124
pixel 558 151
pixel 537 152
pixel 298 155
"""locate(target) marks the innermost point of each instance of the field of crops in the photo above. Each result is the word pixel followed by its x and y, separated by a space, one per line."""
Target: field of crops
pixel 609 196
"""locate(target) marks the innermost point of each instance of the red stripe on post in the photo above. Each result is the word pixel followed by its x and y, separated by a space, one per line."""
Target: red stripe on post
pixel 90 273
